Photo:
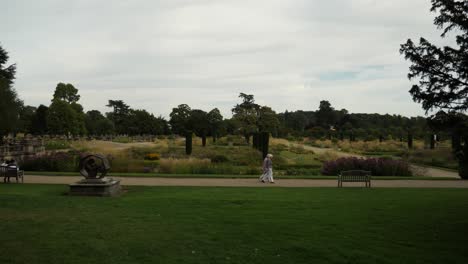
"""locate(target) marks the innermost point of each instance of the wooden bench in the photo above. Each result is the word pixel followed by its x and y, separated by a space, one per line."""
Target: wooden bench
pixel 8 173
pixel 355 176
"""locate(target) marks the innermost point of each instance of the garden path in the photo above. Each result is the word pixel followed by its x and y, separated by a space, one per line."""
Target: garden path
pixel 217 182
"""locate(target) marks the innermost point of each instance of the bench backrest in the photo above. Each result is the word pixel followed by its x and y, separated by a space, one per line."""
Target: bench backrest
pixel 355 173
pixel 11 172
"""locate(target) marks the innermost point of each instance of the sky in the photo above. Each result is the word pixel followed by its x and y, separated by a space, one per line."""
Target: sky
pixel 155 55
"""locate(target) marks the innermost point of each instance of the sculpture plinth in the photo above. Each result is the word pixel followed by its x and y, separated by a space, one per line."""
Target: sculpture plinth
pixel 94 168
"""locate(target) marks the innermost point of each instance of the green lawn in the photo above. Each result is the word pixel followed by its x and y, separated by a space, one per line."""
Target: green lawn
pixel 231 176
pixel 234 225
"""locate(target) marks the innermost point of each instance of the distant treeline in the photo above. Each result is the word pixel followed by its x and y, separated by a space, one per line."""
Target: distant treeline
pixel 65 116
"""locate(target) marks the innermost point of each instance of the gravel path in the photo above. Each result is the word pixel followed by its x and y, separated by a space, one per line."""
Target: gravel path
pixel 213 182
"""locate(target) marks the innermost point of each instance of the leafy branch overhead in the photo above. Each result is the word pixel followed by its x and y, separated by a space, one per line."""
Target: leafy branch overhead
pixel 442 71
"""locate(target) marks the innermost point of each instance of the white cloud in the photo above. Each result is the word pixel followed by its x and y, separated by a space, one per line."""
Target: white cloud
pixel 158 54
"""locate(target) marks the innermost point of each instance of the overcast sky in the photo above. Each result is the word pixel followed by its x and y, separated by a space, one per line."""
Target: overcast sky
pixel 155 55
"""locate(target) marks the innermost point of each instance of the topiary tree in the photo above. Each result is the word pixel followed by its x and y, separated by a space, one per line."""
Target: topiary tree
pixel 188 143
pixel 410 140
pixel 265 140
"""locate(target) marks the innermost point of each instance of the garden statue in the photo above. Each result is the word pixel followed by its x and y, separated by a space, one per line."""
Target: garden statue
pixel 94 168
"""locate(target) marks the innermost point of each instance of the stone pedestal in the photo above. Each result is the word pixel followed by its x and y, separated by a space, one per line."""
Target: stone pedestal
pixel 96 187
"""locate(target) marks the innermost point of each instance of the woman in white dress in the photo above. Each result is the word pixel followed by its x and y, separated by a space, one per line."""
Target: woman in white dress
pixel 267 170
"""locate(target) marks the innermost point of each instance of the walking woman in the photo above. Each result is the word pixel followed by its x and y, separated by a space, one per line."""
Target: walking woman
pixel 267 170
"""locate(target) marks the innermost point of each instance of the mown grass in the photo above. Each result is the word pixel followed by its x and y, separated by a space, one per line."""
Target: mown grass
pixel 233 225
pixel 225 176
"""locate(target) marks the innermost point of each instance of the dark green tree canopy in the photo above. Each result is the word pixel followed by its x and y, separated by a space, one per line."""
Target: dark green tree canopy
pixel 442 72
pixel 66 92
pixel 98 124
pixel 179 119
pixel 119 115
pixel 10 105
pixel 65 115
pixel 199 122
pixel 246 114
pixel 39 120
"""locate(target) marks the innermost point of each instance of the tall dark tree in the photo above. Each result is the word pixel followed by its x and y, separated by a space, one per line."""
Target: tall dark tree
pixel 215 120
pixel 443 71
pixel 119 115
pixel 65 115
pixel 326 115
pixel 10 105
pixel 199 123
pixel 98 124
pixel 39 121
pixel 66 92
pixel 179 119
pixel 267 120
pixel 25 121
pixel 246 114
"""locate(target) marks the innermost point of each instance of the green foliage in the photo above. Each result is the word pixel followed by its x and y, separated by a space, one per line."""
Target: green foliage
pixel 179 119
pixel 66 92
pixel 443 72
pixel 119 115
pixel 56 144
pixel 65 116
pixel 98 124
pixel 122 139
pixel 267 120
pixel 10 104
pixel 55 161
pixel 215 120
pixel 39 121
pixel 246 114
pixel 219 158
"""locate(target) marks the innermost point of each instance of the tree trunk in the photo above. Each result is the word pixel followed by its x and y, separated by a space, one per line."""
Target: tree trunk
pixel 204 140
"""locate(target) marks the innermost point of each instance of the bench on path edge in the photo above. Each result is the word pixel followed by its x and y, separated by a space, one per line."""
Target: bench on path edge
pixel 355 176
pixel 8 173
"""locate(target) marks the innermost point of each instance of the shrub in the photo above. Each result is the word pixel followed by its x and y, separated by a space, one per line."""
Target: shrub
pixel 377 166
pixel 55 161
pixel 302 171
pixel 184 166
pixel 300 150
pixel 152 156
pixel 219 159
pixel 122 139
pixel 56 144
